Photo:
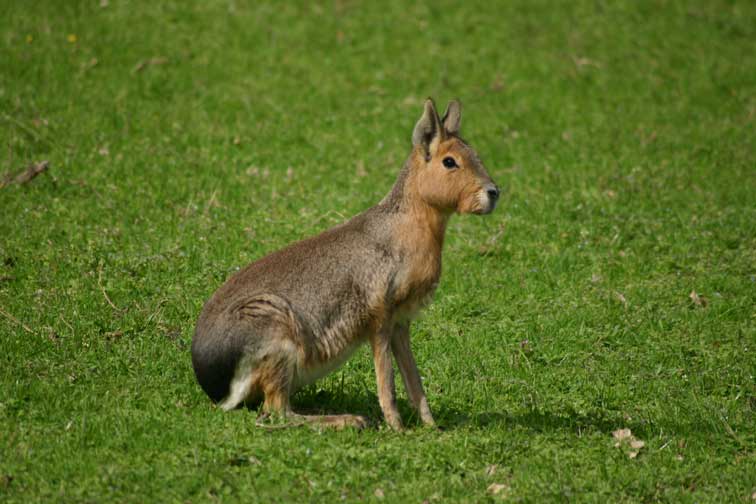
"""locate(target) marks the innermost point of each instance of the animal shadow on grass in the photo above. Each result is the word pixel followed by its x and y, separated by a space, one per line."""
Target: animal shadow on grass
pixel 533 420
pixel 567 420
pixel 313 401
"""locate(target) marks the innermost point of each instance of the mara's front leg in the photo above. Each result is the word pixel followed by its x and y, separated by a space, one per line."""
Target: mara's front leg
pixel 384 374
pixel 400 344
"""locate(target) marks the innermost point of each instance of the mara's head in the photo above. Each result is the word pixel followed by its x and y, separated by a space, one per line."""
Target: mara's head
pixel 448 173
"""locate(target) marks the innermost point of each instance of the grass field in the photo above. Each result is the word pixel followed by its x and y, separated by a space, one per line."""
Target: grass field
pixel 186 139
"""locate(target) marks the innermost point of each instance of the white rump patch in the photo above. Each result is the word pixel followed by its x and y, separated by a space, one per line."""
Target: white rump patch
pixel 242 382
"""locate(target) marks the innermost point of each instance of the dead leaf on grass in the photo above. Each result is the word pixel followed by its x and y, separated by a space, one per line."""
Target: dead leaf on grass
pixel 635 447
pixel 379 493
pixel 698 300
pixel 361 172
pixel 628 442
pixel 491 470
pixel 500 489
pixel 621 298
pixel 621 434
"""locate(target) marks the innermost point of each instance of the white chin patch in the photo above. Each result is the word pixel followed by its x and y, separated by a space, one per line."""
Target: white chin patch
pixel 486 205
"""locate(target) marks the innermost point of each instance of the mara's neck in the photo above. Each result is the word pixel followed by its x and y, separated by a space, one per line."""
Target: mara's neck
pixel 420 227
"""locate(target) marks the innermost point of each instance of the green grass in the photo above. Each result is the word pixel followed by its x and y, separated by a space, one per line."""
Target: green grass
pixel 622 133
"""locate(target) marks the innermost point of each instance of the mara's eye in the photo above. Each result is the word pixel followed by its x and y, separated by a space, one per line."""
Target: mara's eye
pixel 449 162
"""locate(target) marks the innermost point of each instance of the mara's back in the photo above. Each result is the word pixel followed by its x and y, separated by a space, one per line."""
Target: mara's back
pixel 340 263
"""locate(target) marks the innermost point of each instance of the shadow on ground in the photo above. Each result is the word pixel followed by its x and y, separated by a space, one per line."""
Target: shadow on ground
pixel 451 419
pixel 537 421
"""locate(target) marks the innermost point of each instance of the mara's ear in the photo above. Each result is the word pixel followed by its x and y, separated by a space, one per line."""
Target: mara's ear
pixel 452 117
pixel 428 130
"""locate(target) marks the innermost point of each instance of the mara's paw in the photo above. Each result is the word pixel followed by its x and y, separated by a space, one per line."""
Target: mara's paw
pixel 339 422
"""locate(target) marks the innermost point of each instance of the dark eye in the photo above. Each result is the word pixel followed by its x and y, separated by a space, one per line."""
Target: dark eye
pixel 449 162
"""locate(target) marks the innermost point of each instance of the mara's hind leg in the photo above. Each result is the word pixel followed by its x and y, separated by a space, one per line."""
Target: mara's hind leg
pixel 277 404
pixel 275 380
pixel 281 347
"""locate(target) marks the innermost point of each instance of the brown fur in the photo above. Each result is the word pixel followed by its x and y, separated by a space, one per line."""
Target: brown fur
pixel 298 313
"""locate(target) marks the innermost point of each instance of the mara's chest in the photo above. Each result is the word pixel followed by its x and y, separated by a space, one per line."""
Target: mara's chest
pixel 414 286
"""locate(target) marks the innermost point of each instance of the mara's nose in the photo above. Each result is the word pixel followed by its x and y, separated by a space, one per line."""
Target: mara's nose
pixel 493 192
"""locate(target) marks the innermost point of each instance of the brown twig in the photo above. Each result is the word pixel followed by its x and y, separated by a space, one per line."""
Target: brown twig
pixel 32 171
pixel 159 60
pixel 99 284
pixel 15 320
